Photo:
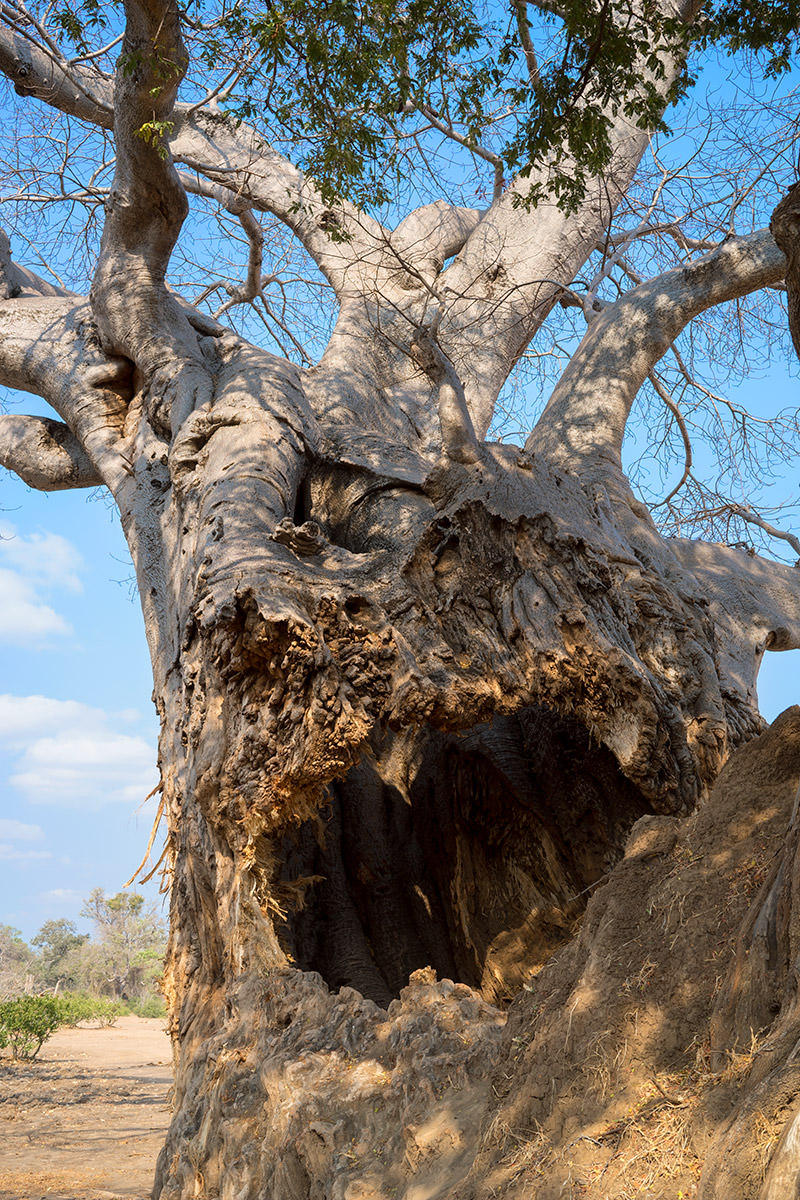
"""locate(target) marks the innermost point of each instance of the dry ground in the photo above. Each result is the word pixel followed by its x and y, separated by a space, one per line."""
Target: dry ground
pixel 86 1119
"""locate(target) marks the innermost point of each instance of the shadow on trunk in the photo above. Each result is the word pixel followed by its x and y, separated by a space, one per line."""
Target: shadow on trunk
pixel 472 854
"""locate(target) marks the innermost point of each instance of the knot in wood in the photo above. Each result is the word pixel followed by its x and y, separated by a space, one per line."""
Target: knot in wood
pixel 303 540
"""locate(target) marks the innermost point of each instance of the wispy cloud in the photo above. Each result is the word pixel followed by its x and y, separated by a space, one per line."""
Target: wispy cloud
pixel 12 832
pixel 25 616
pixel 32 568
pixel 70 754
pixel 18 831
pixel 9 853
pixel 60 898
pixel 45 557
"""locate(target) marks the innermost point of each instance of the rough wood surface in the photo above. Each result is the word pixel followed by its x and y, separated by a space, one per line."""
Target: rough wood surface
pixel 415 688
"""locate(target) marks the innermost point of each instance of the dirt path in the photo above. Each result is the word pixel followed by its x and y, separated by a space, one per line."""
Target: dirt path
pixel 86 1119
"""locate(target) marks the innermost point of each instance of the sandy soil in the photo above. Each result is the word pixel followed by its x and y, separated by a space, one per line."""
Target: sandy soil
pixel 86 1119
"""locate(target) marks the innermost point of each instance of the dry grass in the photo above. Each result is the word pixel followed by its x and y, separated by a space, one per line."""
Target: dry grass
pixel 653 1145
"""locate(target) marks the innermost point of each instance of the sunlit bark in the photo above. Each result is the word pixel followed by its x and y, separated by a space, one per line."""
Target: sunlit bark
pixel 414 687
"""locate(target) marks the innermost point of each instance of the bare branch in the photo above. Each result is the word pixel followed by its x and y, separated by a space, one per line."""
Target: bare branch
pixel 475 148
pixel 748 514
pixel 45 454
pixel 664 395
pixel 239 208
pixel 523 28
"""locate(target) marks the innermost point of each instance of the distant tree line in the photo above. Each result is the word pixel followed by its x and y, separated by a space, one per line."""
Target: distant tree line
pixel 121 959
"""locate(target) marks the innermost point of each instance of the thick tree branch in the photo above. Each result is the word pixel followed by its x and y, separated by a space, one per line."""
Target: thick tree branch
pixel 785 228
pixel 136 313
pixel 458 436
pixel 353 250
pixel 34 70
pixel 49 346
pixel 338 237
pixel 430 235
pixel 754 602
pixel 347 245
pixel 45 454
pixel 511 270
pixel 19 281
pixel 584 422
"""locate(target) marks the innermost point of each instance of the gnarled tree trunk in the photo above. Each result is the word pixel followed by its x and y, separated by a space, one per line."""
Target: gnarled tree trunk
pixel 415 688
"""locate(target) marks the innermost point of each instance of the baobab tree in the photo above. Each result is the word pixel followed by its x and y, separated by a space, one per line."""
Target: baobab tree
pixel 415 686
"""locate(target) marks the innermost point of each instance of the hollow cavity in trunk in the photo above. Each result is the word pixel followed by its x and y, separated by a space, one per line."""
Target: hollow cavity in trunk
pixel 472 854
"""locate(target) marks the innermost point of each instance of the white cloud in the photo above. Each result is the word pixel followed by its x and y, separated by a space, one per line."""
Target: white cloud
pixel 32 567
pixel 61 894
pixel 73 755
pixel 9 853
pixel 45 557
pixel 18 831
pixel 23 615
pixel 24 717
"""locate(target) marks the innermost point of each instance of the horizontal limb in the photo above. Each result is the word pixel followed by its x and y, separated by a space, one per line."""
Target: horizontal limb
pixel 45 454
pixel 20 281
pixel 753 601
pixel 79 90
pixel 430 235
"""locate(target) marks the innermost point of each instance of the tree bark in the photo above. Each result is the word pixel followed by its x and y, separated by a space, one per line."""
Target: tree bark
pixel 411 708
pixel 408 721
pixel 415 689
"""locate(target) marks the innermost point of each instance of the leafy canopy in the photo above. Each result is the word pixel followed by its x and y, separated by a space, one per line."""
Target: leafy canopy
pixel 350 85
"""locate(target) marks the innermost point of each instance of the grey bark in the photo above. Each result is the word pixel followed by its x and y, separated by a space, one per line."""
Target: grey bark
pixel 357 608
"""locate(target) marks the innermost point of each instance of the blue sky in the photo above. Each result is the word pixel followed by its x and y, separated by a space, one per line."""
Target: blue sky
pixel 77 726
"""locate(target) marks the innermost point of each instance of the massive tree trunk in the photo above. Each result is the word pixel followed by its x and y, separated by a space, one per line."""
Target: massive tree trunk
pixel 408 725
pixel 415 688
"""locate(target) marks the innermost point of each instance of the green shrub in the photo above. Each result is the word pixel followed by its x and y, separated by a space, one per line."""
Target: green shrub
pixel 148 1006
pixel 74 1007
pixel 27 1023
pixel 107 1011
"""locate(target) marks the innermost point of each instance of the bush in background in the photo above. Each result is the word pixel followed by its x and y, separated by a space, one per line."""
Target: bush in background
pixel 148 1006
pixel 96 977
pixel 26 1023
pixel 75 1007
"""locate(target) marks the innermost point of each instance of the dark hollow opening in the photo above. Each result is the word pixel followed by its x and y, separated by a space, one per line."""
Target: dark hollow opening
pixel 471 854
